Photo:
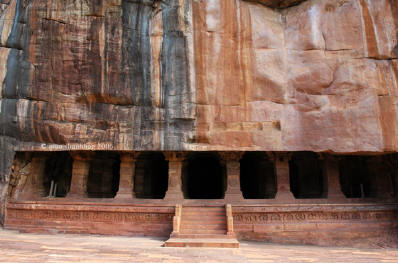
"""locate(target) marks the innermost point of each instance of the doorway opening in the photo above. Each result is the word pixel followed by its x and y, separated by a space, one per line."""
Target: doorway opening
pixel 257 176
pixel 103 177
pixel 58 174
pixel 366 177
pixel 204 177
pixel 306 175
pixel 151 176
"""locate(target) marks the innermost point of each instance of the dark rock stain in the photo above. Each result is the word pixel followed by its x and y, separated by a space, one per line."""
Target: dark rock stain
pixel 176 90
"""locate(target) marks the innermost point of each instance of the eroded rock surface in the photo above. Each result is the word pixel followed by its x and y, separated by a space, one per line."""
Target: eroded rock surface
pixel 318 75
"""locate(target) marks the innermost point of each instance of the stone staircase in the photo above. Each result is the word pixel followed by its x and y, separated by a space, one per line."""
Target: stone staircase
pixel 199 226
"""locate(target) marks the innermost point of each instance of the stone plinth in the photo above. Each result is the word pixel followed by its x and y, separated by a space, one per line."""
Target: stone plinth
pixel 90 218
pixel 322 224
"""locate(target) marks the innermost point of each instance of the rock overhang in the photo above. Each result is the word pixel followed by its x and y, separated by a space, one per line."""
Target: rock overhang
pixel 278 3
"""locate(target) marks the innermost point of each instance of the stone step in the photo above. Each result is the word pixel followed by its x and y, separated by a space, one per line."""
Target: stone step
pixel 198 220
pixel 203 231
pixel 203 213
pixel 202 242
pixel 203 223
pixel 206 222
pixel 204 208
pixel 201 216
pixel 204 227
pixel 185 235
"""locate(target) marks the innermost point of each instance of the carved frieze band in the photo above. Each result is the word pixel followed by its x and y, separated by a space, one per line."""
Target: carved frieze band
pixel 281 217
pixel 239 218
pixel 90 216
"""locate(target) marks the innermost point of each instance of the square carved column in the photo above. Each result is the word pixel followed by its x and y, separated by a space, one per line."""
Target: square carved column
pixel 283 177
pixel 333 178
pixel 232 162
pixel 80 171
pixel 174 190
pixel 127 170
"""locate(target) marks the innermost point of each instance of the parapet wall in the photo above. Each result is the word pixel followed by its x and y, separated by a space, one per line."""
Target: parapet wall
pixel 353 225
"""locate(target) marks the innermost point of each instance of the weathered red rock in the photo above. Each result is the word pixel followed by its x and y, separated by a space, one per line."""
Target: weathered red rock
pixel 265 75
pixel 200 75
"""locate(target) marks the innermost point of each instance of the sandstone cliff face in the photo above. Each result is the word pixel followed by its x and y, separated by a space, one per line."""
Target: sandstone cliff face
pixel 319 75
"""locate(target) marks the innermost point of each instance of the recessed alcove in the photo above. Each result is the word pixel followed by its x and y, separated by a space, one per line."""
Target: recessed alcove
pixel 306 175
pixel 103 177
pixel 203 177
pixel 366 176
pixel 257 176
pixel 57 174
pixel 151 176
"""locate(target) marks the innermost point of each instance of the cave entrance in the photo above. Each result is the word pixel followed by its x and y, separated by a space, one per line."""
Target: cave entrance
pixel 257 176
pixel 151 176
pixel 366 177
pixel 306 175
pixel 103 177
pixel 58 174
pixel 203 177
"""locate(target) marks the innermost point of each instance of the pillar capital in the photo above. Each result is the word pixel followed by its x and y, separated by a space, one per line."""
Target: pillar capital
pixel 175 156
pixel 280 156
pixel 129 156
pixel 231 156
pixel 82 156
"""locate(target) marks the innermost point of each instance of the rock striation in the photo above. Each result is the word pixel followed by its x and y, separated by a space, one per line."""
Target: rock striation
pixel 317 75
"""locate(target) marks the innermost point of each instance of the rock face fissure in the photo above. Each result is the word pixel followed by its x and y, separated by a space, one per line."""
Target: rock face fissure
pixel 200 75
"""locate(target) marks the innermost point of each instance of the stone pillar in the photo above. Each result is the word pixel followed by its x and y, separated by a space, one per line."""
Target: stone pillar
pixel 283 177
pixel 31 185
pixel 127 170
pixel 174 190
pixel 333 178
pixel 80 170
pixel 232 161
